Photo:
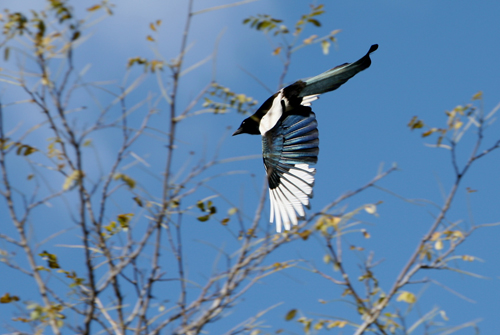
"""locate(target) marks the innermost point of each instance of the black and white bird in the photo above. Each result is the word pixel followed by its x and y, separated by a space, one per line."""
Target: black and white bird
pixel 290 140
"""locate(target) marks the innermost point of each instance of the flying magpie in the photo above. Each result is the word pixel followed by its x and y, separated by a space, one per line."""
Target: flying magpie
pixel 290 140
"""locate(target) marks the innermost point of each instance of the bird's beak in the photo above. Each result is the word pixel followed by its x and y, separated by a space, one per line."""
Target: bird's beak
pixel 238 131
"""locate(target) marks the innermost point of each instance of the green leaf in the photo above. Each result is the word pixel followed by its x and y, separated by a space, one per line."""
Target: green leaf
pixel 75 36
pixel 126 179
pixel 415 123
pixel 203 218
pixel 315 22
pixel 138 201
pixel 51 259
pixel 25 150
pixel 407 297
pixel 263 25
pixel 477 96
pixel 124 220
pixel 429 132
pixel 291 314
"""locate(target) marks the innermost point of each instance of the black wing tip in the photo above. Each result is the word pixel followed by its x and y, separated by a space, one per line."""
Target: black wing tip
pixel 373 48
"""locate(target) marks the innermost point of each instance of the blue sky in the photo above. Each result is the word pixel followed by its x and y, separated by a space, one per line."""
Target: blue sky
pixel 432 56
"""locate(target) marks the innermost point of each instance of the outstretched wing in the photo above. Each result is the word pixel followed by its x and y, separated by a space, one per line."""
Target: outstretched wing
pixel 288 149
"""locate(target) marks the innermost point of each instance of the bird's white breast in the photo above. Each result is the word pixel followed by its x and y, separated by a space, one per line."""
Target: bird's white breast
pixel 269 120
pixel 274 113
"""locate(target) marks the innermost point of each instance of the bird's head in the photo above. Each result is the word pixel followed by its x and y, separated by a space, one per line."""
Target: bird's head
pixel 249 126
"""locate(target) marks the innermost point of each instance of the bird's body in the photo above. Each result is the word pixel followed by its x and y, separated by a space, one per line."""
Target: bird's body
pixel 290 139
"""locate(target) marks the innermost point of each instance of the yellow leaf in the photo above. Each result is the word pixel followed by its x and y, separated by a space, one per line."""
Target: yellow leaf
pixel 327 221
pixel 305 234
pixel 333 324
pixel 407 297
pixel 335 32
pixel 74 178
pixel 310 39
pixel 468 258
pixel 353 247
pixel 158 23
pixel 126 179
pixel 21 319
pixel 457 234
pixel 93 8
pixel 152 27
pixel 319 325
pixel 347 291
pixel 6 298
pixel 365 233
pixel 477 96
pixel 435 236
pixel 458 124
pixel 438 245
pixel 124 220
pixel 334 221
pixel 277 265
pixel 276 51
pixel 307 324
pixel 156 64
pixel 325 46
pixel 429 132
pixel 371 209
pixel 327 258
pixel 149 38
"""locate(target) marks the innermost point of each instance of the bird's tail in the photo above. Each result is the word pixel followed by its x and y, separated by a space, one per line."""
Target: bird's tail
pixel 334 78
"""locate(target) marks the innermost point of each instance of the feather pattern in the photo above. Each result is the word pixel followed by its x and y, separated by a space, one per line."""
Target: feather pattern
pixel 288 149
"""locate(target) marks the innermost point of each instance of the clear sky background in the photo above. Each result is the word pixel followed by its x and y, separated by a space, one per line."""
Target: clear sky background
pixel 432 56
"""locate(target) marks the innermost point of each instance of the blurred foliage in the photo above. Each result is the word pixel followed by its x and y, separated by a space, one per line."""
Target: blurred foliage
pixel 459 119
pixel 267 23
pixel 230 100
